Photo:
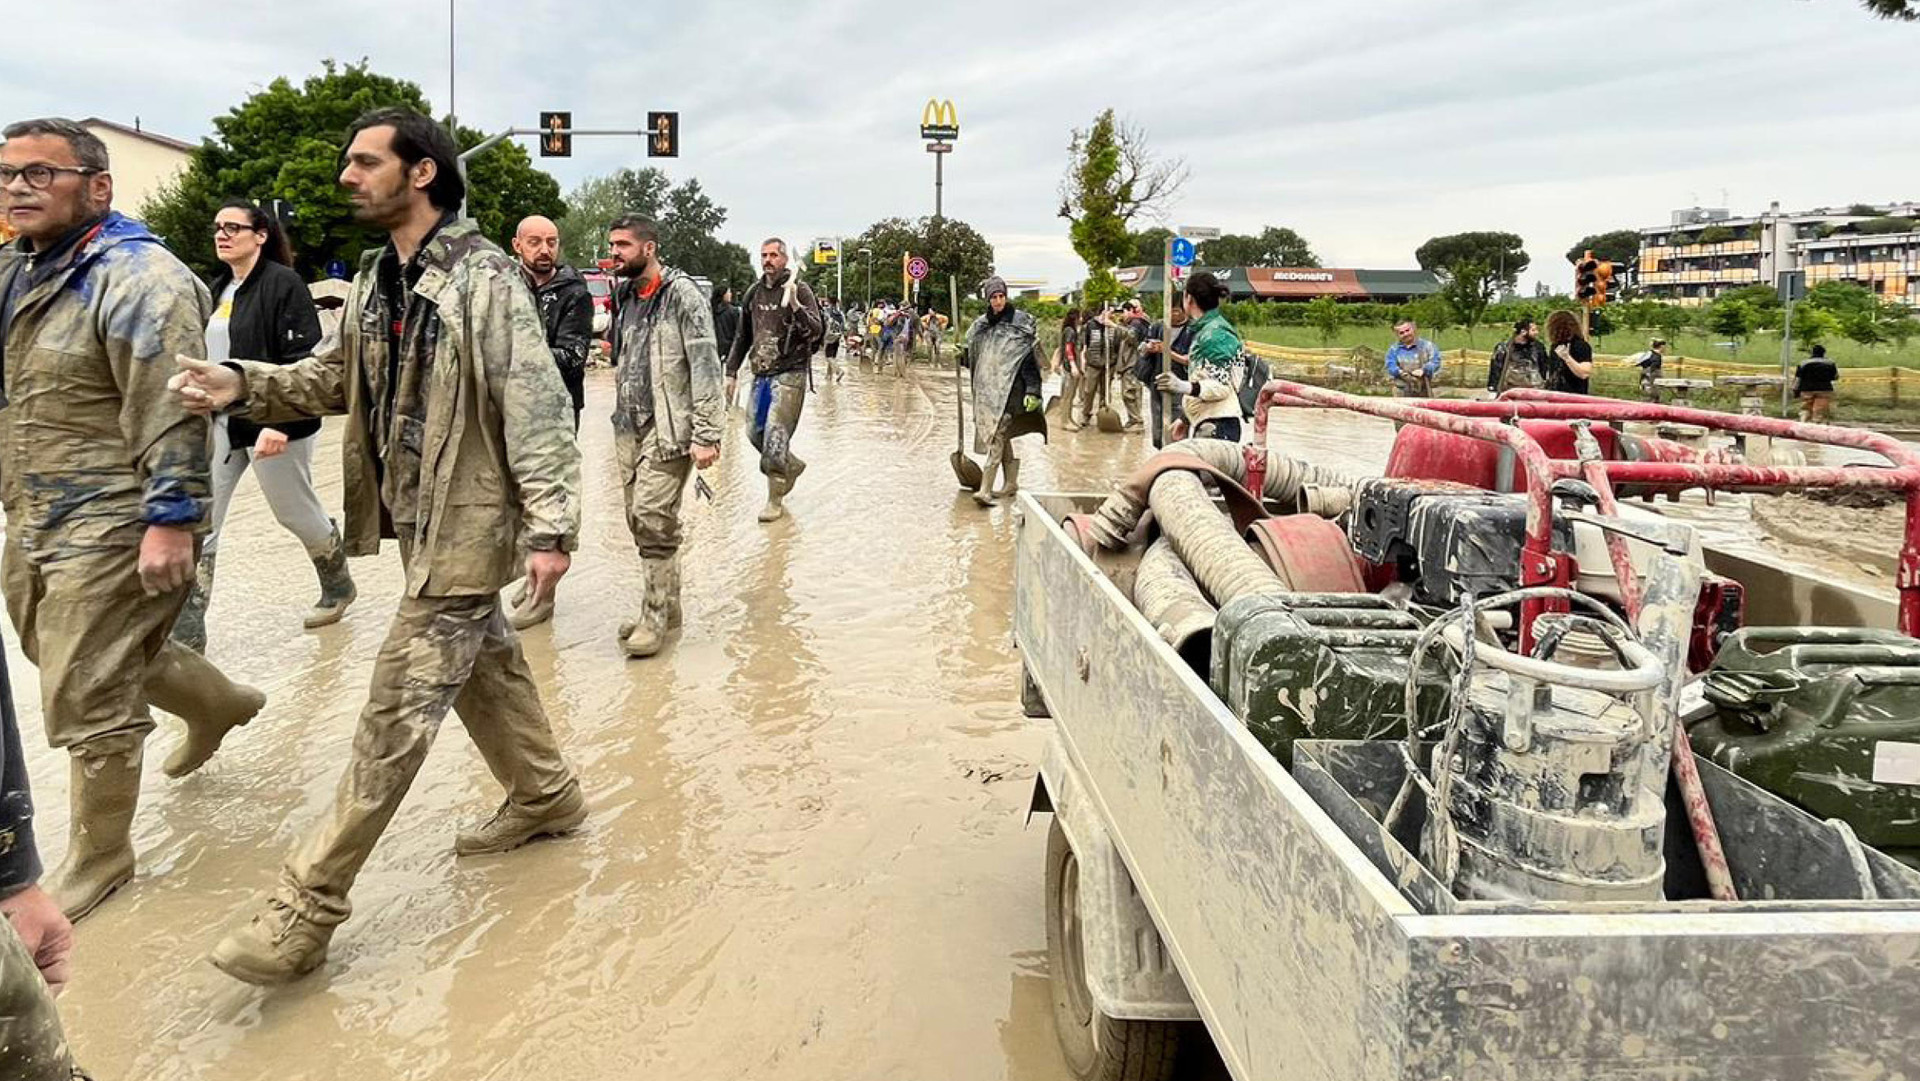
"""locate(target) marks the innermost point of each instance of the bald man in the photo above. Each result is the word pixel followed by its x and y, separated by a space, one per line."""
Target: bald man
pixel 566 312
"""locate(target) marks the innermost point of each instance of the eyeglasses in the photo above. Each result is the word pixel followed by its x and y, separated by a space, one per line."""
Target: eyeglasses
pixel 40 176
pixel 231 229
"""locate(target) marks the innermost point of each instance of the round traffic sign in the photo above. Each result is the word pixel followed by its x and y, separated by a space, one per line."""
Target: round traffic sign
pixel 1182 253
pixel 917 268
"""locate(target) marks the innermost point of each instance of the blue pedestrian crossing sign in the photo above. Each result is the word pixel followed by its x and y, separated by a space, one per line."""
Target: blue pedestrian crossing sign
pixel 1182 253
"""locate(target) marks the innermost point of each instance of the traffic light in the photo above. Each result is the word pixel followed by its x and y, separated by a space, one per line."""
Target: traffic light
pixel 664 142
pixel 556 135
pixel 1586 279
pixel 1603 281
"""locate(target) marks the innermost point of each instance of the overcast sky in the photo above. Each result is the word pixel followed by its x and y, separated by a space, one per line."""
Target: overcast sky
pixel 1367 127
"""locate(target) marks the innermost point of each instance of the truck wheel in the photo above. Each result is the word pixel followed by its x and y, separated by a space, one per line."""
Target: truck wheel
pixel 1097 1047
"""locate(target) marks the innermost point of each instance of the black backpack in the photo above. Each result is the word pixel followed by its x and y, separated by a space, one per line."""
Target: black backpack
pixel 1254 375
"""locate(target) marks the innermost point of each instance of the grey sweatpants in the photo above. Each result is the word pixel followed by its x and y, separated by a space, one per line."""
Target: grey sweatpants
pixel 286 479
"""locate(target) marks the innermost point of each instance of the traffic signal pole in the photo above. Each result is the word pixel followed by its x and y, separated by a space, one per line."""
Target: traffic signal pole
pixel 492 141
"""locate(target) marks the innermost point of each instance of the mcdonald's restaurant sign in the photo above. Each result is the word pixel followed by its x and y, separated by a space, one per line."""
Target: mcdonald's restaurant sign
pixel 938 121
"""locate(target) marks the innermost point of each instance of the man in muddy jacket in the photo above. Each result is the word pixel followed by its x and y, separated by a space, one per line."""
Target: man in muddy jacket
pixel 105 481
pixel 458 444
pixel 667 415
pixel 778 335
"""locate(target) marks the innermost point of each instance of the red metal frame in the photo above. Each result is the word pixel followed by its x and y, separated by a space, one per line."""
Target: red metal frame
pixel 1540 565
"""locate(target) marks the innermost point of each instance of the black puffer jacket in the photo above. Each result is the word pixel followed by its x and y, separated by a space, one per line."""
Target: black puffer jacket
pixel 566 311
pixel 273 320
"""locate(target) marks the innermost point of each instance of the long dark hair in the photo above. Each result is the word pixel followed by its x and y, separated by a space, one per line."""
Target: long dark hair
pixel 720 293
pixel 418 138
pixel 1563 327
pixel 275 248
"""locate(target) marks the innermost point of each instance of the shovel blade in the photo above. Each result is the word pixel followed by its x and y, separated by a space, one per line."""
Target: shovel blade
pixel 1110 420
pixel 967 472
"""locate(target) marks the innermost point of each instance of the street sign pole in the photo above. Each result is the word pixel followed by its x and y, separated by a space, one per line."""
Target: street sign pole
pixel 1792 285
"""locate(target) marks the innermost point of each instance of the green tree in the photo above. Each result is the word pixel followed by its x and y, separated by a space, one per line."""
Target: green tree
pixel 1473 268
pixel 1276 246
pixel 1671 320
pixel 1618 246
pixel 1150 246
pixel 284 142
pixel 1813 325
pixel 1112 179
pixel 954 251
pixel 1733 318
pixel 1906 10
pixel 1324 315
pixel 1842 298
pixel 688 218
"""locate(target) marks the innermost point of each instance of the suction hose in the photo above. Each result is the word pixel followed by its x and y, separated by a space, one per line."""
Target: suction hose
pixel 1310 488
pixel 1207 540
pixel 1166 593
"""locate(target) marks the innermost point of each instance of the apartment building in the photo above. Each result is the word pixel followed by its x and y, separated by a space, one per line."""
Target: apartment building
pixel 1704 252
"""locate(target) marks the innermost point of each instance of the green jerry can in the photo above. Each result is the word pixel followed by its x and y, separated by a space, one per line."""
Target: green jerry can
pixel 1320 666
pixel 1827 717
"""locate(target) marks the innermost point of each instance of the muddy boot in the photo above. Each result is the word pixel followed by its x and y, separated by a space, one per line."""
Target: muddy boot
pixel 776 495
pixel 336 585
pixel 1011 471
pixel 188 686
pixel 647 634
pixel 106 790
pixel 513 825
pixel 984 494
pixel 190 626
pixel 283 942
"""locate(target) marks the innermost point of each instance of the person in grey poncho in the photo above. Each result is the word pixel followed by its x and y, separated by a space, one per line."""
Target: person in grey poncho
pixel 1003 351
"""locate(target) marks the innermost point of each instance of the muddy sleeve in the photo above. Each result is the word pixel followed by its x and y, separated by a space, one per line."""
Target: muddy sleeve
pixel 151 310
pixel 703 362
pixel 278 393
pixel 536 412
pixel 19 859
pixel 743 337
pixel 575 334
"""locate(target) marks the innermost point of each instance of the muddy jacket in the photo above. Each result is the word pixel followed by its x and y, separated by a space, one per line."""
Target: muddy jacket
pixel 1104 346
pixel 668 367
pixel 1006 362
pixel 776 336
pixel 566 315
pixel 92 445
pixel 491 435
pixel 1516 365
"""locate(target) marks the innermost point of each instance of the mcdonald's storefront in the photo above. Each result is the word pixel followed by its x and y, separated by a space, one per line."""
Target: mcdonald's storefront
pixel 1301 283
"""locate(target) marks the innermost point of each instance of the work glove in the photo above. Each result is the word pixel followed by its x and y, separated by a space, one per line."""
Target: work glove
pixel 1167 382
pixel 1032 402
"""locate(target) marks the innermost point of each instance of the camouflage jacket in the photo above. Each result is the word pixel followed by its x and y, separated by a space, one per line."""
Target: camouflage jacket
pixel 680 366
pixel 93 448
pixel 499 472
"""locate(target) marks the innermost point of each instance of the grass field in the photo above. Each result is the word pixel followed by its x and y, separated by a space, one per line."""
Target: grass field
pixel 1764 349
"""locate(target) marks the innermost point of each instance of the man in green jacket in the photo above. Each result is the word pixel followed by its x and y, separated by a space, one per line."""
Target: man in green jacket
pixel 105 481
pixel 459 444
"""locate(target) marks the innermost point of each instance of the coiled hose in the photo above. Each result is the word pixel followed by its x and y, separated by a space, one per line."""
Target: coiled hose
pixel 1325 492
pixel 1207 540
pixel 1166 593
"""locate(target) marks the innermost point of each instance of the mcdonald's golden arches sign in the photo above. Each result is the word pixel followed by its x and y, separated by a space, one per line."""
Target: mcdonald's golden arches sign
pixel 938 121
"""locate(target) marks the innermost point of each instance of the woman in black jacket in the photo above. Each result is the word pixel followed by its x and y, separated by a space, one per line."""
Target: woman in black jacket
pixel 262 311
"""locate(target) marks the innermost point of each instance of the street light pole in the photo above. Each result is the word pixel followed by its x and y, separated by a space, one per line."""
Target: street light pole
pixel 868 252
pixel 453 114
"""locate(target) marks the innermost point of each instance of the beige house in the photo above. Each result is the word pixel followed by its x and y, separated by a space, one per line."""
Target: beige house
pixel 143 162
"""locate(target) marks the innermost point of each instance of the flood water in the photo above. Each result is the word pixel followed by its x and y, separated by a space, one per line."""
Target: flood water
pixel 808 857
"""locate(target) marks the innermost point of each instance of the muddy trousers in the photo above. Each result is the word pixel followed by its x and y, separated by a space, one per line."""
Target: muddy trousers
pixel 652 488
pixel 101 646
pixel 777 402
pixel 1123 394
pixel 32 1045
pixel 441 653
pixel 286 480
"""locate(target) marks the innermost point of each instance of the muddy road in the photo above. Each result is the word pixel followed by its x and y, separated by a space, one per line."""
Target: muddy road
pixel 808 855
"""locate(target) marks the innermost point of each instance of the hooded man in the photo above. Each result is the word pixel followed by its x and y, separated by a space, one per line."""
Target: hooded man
pixel 566 314
pixel 107 489
pixel 668 415
pixel 1002 349
pixel 778 335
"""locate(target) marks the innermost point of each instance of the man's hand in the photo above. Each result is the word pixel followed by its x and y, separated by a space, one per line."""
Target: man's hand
pixel 733 389
pixel 544 571
pixel 166 559
pixel 269 443
pixel 45 932
pixel 1153 347
pixel 1168 383
pixel 203 387
pixel 705 455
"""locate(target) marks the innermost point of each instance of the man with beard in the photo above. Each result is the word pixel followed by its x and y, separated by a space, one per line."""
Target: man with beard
pixel 566 314
pixel 106 486
pixel 667 417
pixel 780 331
pixel 458 445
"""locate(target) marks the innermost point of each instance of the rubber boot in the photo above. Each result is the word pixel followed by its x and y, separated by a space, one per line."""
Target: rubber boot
pixel 284 941
pixel 1010 469
pixel 776 507
pixel 336 584
pixel 188 686
pixel 984 494
pixel 106 790
pixel 647 634
pixel 190 626
pixel 514 825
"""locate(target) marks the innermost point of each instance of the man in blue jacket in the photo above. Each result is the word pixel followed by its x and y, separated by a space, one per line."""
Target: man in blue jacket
pixel 1413 362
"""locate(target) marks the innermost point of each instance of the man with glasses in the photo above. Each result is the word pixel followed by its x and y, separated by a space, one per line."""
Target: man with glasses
pixel 105 481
